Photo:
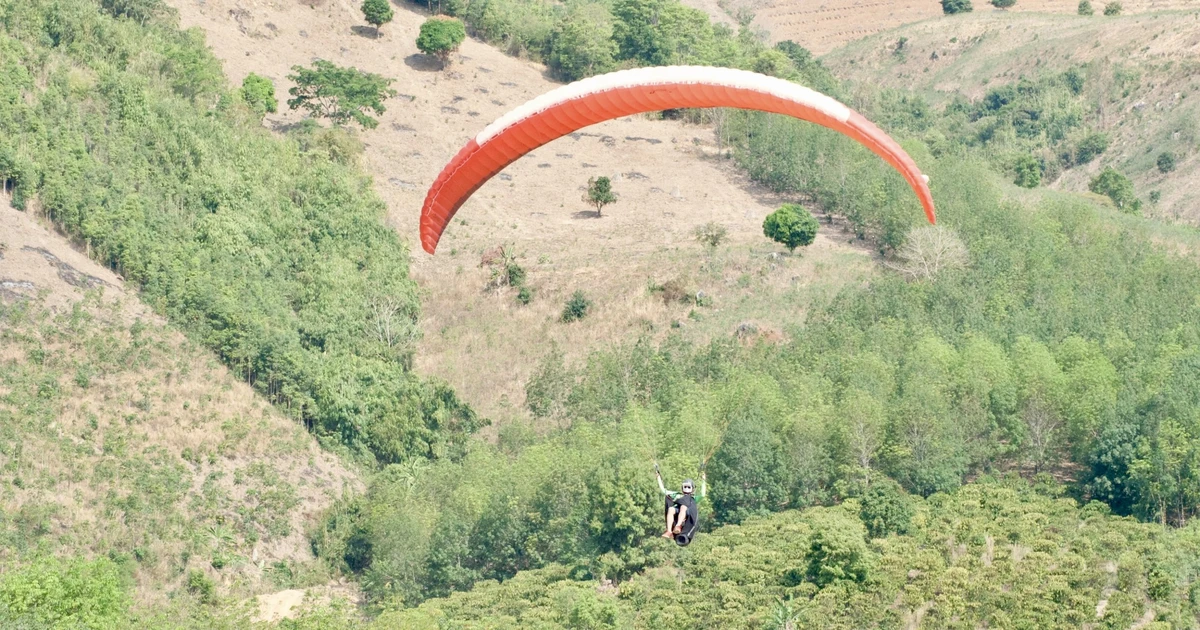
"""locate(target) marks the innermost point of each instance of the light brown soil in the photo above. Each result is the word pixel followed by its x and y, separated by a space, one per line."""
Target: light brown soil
pixel 481 342
pixel 823 25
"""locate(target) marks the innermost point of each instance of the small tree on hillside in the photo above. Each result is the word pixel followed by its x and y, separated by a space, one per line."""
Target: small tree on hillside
pixel 1117 187
pixel 377 13
pixel 791 225
pixel 1112 8
pixel 711 234
pixel 140 11
pixel 1166 162
pixel 441 36
pixel 1085 8
pixel 1029 172
pixel 929 250
pixel 1003 4
pixel 599 193
pixel 259 93
pixel 950 7
pixel 339 94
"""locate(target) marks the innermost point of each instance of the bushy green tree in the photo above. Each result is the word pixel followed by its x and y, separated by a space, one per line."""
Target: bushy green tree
pixel 1165 162
pixel 792 225
pixel 141 11
pixel 1116 187
pixel 582 45
pixel 599 193
pixel 1029 172
pixel 885 509
pixel 1112 8
pixel 950 7
pixel 1085 8
pixel 838 552
pixel 339 94
pixel 1090 147
pixel 65 594
pixel 259 93
pixel 441 37
pixel 748 471
pixel 377 13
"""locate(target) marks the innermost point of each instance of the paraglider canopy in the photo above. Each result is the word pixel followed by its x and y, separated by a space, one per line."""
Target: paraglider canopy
pixel 596 99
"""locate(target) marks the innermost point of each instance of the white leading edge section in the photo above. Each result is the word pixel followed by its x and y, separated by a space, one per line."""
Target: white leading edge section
pixel 663 75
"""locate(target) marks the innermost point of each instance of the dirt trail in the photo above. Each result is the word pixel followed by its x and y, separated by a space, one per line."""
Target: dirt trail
pixel 483 343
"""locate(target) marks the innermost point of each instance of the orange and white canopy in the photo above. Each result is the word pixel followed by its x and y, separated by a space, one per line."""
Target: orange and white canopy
pixel 596 99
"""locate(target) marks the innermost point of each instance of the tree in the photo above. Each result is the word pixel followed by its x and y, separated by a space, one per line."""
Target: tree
pixel 377 13
pixel 1112 8
pixel 1091 146
pixel 582 45
pixel 1116 187
pixel 749 470
pixel 1029 172
pixel 339 94
pixel 929 250
pixel 1166 162
pixel 259 93
pixel 885 508
pixel 950 7
pixel 1003 4
pixel 441 36
pixel 838 551
pixel 599 193
pixel 791 225
pixel 1085 8
pixel 140 11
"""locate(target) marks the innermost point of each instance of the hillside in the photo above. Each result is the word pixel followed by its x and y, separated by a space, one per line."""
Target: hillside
pixel 825 26
pixel 1140 83
pixel 992 554
pixel 121 439
pixel 534 206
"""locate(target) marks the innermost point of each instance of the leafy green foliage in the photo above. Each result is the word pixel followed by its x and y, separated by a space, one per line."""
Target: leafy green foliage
pixel 1085 8
pixel 377 13
pixel 749 473
pixel 141 11
pixel 1004 4
pixel 576 307
pixel 711 234
pixel 1165 162
pixel 599 193
pixel 259 93
pixel 885 508
pixel 340 94
pixel 838 552
pixel 582 45
pixel 272 257
pixel 792 226
pixel 1090 147
pixel 951 7
pixel 1117 187
pixel 1029 172
pixel 1112 8
pixel 441 36
pixel 65 594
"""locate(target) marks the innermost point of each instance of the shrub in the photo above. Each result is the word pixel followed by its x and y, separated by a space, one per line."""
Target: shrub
pixel 837 553
pixel 1116 187
pixel 66 594
pixel 711 234
pixel 1085 8
pixel 791 225
pixel 1091 146
pixel 1155 196
pixel 1029 172
pixel 259 94
pixel 1112 8
pixel 885 508
pixel 1165 162
pixel 202 587
pixel 440 37
pixel 950 7
pixel 1003 4
pixel 140 11
pixel 576 307
pixel 524 295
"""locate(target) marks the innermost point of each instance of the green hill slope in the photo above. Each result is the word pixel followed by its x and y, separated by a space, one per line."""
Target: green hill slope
pixel 1138 83
pixel 996 554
